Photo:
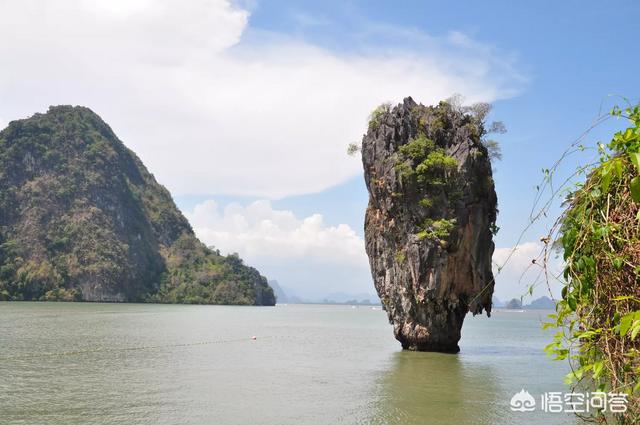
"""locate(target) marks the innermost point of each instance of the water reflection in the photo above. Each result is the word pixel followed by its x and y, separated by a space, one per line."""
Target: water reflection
pixel 499 357
pixel 440 387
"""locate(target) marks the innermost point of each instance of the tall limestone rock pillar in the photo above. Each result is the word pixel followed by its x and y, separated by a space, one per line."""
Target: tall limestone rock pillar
pixel 428 226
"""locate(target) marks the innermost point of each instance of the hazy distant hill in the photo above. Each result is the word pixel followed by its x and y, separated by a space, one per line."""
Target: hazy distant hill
pixel 81 218
pixel 281 296
pixel 513 304
pixel 345 298
pixel 542 303
pixel 288 296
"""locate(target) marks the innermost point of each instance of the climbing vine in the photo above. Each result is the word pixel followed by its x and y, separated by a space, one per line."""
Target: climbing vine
pixel 597 320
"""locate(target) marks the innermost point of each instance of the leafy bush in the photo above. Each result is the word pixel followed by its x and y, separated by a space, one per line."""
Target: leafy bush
pixel 437 230
pixel 598 317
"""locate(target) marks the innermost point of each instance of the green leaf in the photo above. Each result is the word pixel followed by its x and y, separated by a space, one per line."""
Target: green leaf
pixel 568 379
pixel 597 369
pixel 572 303
pixel 588 334
pixel 635 189
pixel 617 263
pixel 606 179
pixel 562 354
pixel 635 159
pixel 636 329
pixel 617 167
pixel 589 261
pixel 625 323
pixel 551 347
pixel 628 135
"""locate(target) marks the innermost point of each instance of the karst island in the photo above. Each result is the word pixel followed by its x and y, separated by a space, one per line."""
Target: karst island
pixel 430 219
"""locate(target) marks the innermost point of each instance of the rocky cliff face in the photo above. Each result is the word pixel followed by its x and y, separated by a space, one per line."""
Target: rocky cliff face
pixel 81 218
pixel 429 222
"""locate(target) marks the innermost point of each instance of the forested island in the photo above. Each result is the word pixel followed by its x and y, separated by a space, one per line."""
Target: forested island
pixel 82 219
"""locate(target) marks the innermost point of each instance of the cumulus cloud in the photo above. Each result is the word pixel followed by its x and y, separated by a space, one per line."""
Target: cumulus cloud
pixel 304 254
pixel 516 268
pixel 210 110
pixel 314 259
pixel 257 231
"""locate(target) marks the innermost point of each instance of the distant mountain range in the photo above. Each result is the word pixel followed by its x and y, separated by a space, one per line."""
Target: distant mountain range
pixel 542 303
pixel 287 296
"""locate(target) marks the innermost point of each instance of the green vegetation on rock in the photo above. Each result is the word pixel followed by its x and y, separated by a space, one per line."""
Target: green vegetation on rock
pixel 437 229
pixel 81 218
pixel 377 114
pixel 424 165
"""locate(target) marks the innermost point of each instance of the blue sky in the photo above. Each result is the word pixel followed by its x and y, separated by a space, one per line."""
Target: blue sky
pixel 572 55
pixel 244 110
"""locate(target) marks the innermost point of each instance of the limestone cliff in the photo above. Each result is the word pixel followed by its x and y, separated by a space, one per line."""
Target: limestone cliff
pixel 81 218
pixel 429 222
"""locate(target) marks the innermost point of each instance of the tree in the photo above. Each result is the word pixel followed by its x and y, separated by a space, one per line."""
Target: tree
pixel 352 149
pixel 479 111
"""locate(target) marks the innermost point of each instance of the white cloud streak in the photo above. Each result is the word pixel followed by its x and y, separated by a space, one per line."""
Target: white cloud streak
pixel 209 113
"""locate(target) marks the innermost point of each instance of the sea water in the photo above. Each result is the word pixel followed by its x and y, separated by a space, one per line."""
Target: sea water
pixel 87 363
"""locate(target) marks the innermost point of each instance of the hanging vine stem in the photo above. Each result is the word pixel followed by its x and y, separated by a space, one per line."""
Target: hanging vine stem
pixel 537 214
pixel 598 318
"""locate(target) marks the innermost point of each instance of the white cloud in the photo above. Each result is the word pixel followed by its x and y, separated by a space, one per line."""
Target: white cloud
pixel 270 116
pixel 314 259
pixel 304 254
pixel 259 232
pixel 515 270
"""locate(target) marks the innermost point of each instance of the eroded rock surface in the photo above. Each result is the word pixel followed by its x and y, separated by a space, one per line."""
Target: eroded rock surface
pixel 430 220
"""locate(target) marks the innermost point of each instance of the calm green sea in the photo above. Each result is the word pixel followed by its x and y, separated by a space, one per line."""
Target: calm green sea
pixel 68 364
